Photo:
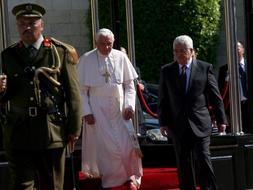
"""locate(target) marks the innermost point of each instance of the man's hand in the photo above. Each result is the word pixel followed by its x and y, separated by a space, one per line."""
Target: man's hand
pixel 3 83
pixel 72 139
pixel 128 113
pixel 164 131
pixel 89 119
pixel 222 129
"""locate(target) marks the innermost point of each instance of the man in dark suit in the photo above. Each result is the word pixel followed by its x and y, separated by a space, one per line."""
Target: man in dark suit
pixel 223 81
pixel 41 92
pixel 187 87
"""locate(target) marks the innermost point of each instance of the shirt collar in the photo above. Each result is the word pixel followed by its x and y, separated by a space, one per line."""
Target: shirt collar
pixel 189 62
pixel 110 55
pixel 242 62
pixel 36 44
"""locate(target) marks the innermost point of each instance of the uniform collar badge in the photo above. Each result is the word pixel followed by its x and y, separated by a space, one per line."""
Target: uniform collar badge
pixel 47 43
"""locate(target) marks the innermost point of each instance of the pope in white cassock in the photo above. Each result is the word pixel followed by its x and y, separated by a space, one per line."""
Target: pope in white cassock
pixel 110 148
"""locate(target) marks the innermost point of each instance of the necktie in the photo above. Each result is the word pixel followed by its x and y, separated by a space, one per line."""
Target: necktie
pixel 243 80
pixel 183 78
pixel 32 51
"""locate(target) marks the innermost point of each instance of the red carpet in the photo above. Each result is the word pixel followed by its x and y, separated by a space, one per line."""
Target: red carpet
pixel 159 179
pixel 153 179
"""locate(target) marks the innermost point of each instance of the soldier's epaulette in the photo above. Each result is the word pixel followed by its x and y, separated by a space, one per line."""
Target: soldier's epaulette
pixel 13 46
pixel 73 56
pixel 17 44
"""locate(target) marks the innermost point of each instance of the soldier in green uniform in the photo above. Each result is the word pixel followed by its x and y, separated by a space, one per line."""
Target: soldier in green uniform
pixel 40 90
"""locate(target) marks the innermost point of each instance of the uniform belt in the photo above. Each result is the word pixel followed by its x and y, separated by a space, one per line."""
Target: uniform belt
pixel 31 111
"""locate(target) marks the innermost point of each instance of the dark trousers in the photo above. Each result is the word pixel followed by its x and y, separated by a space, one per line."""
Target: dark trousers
pixel 193 160
pixel 246 127
pixel 43 170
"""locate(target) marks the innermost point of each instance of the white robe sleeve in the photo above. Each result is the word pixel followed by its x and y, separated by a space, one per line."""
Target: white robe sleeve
pixel 129 94
pixel 86 109
pixel 129 74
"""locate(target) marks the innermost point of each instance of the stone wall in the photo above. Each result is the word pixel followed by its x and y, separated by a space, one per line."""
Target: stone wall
pixel 64 20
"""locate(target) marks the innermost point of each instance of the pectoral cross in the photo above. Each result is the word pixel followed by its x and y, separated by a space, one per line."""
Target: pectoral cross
pixel 107 75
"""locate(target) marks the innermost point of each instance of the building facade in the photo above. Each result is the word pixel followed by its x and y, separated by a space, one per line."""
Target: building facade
pixel 64 20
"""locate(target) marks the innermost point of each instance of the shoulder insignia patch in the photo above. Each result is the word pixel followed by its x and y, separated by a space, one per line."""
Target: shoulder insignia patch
pixel 17 44
pixel 73 56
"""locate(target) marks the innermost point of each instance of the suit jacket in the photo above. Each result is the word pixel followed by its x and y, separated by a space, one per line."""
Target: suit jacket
pixel 223 79
pixel 175 105
pixel 223 73
pixel 51 127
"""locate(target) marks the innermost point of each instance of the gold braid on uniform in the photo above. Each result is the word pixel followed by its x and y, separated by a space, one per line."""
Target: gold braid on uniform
pixel 73 56
pixel 47 73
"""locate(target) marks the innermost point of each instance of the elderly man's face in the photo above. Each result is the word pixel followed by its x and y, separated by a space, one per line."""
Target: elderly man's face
pixel 104 44
pixel 30 29
pixel 182 54
pixel 240 50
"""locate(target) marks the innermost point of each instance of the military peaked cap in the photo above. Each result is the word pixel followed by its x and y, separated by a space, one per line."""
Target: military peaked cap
pixel 28 10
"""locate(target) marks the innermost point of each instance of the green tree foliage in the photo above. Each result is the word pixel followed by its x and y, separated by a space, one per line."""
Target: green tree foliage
pixel 157 23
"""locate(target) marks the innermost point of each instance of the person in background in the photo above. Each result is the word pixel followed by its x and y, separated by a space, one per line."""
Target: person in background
pixel 123 50
pixel 185 87
pixel 223 81
pixel 110 148
pixel 194 54
pixel 40 89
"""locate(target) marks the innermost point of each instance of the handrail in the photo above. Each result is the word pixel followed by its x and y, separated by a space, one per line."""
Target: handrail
pixel 144 103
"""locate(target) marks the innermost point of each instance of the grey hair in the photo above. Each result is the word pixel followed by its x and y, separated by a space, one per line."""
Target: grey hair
pixel 104 32
pixel 183 39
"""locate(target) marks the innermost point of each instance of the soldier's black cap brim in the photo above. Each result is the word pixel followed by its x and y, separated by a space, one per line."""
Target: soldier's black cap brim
pixel 28 10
